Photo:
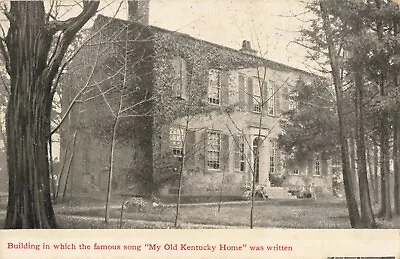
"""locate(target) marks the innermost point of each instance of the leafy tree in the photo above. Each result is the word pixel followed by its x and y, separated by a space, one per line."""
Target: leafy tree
pixel 311 125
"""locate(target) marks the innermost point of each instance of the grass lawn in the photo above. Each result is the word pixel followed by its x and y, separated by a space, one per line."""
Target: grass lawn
pixel 312 214
pixel 306 214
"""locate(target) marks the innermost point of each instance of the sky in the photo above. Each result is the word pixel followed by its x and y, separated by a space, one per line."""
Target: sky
pixel 270 25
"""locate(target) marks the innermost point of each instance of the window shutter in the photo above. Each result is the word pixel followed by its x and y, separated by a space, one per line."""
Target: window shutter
pixel 184 79
pixel 190 146
pixel 284 100
pixel 202 153
pixel 265 96
pixel 278 164
pixel 176 79
pixel 278 101
pixel 250 158
pixel 236 152
pixel 310 167
pixel 165 140
pixel 224 87
pixel 324 167
pixel 250 94
pixel 225 153
pixel 242 92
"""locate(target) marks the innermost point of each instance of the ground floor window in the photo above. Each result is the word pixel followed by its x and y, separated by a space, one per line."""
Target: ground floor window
pixel 317 165
pixel 272 156
pixel 177 141
pixel 213 150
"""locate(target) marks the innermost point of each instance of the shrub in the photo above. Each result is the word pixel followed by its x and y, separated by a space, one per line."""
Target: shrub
pixel 259 192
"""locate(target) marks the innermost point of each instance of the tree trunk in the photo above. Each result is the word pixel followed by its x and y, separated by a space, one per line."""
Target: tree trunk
pixel 386 209
pixel 353 166
pixel 111 172
pixel 354 215
pixel 396 186
pixel 28 120
pixel 69 167
pixel 376 177
pixel 367 215
pixel 51 169
pixel 180 182
pixel 370 169
pixel 32 69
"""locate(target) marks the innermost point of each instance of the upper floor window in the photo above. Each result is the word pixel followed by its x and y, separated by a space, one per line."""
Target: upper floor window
pixel 292 105
pixel 180 79
pixel 292 100
pixel 256 95
pixel 213 150
pixel 271 99
pixel 177 141
pixel 317 167
pixel 214 86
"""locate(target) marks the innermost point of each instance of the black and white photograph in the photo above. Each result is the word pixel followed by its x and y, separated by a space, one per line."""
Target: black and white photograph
pixel 189 114
pixel 274 123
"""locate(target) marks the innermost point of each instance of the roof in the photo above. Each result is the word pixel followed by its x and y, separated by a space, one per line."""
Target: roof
pixel 266 62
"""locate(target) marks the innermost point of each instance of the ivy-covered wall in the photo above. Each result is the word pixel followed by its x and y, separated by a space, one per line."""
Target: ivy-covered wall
pixel 143 152
pixel 115 71
pixel 231 117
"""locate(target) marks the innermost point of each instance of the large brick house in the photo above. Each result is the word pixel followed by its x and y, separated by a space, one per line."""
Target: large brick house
pixel 185 97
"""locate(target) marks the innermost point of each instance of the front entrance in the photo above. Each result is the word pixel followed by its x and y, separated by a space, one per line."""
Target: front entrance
pixel 260 160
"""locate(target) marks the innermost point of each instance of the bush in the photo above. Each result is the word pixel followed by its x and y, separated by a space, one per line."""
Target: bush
pixel 276 179
pixel 259 193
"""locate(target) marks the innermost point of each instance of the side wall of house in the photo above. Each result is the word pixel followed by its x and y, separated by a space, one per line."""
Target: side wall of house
pixel 305 176
pixel 115 70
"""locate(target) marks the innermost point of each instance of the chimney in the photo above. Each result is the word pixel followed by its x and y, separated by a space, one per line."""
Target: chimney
pixel 246 48
pixel 138 11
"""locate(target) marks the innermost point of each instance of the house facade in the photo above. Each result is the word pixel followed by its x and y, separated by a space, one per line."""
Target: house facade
pixel 200 112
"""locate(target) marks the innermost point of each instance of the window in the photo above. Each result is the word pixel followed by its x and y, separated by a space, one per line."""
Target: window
pixel 296 172
pixel 292 105
pixel 292 100
pixel 240 154
pixel 213 150
pixel 256 96
pixel 271 100
pixel 180 80
pixel 272 156
pixel 177 145
pixel 317 167
pixel 214 86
